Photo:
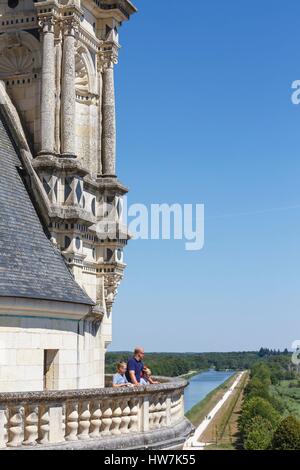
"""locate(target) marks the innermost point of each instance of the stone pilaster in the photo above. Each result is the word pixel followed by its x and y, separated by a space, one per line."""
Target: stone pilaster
pixel 48 86
pixel 108 59
pixel 68 100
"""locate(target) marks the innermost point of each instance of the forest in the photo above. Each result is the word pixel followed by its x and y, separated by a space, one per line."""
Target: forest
pixel 176 364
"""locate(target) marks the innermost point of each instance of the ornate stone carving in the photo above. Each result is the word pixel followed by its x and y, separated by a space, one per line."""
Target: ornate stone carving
pixel 81 75
pixel 15 58
pixel 70 2
pixel 19 54
pixel 107 55
pixel 47 24
pixel 111 284
pixel 70 26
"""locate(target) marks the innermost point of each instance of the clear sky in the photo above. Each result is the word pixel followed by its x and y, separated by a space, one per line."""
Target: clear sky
pixel 205 116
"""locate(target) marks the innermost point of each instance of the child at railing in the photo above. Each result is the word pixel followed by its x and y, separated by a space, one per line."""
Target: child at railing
pixel 146 378
pixel 119 379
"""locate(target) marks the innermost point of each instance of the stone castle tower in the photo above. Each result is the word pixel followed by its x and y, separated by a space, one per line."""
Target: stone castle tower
pixel 60 200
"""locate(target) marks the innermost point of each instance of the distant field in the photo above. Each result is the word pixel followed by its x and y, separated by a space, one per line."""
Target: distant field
pixel 288 392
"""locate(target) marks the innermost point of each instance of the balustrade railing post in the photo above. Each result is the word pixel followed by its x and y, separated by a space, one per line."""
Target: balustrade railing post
pixel 168 411
pixel 44 424
pixel 31 425
pixel 3 426
pixel 84 420
pixel 116 419
pixel 106 418
pixel 95 419
pixel 56 423
pixel 145 416
pixel 125 421
pixel 72 421
pixel 15 426
pixel 135 410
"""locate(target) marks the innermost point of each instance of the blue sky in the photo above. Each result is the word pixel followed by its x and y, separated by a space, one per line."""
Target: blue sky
pixel 205 116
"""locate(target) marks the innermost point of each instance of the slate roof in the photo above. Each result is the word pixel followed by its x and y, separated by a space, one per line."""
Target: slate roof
pixel 30 266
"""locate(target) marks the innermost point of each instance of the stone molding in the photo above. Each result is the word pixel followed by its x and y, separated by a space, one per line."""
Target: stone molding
pixel 15 306
pixel 169 438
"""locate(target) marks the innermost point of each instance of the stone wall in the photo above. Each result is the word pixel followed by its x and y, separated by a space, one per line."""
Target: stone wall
pixel 77 342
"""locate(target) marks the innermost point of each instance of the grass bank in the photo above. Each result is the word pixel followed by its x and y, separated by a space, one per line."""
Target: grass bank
pixel 201 409
pixel 191 374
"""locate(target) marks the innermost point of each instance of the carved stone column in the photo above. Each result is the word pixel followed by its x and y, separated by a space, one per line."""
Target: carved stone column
pixel 48 86
pixel 68 101
pixel 99 150
pixel 58 62
pixel 108 59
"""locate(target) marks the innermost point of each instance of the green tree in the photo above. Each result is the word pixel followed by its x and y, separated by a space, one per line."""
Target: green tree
pixel 257 388
pixel 287 435
pixel 262 372
pixel 257 406
pixel 259 434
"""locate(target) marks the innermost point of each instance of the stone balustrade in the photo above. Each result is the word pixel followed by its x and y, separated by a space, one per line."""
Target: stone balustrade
pixel 139 417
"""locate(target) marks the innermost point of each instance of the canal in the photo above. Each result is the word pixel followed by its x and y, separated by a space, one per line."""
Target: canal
pixel 202 384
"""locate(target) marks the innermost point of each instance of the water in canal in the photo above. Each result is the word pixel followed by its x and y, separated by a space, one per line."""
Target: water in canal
pixel 202 384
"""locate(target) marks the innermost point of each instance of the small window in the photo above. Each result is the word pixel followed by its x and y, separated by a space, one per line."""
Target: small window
pixel 109 255
pixel 13 3
pixel 50 369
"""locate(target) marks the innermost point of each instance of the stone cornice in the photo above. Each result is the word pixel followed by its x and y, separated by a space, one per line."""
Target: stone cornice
pixel 89 40
pixel 59 164
pixel 17 21
pixel 119 9
pixel 48 14
pixel 112 185
pixel 22 306
pixel 71 213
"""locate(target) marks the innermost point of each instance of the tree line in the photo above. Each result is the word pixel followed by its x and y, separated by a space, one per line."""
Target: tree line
pixel 262 424
pixel 175 364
